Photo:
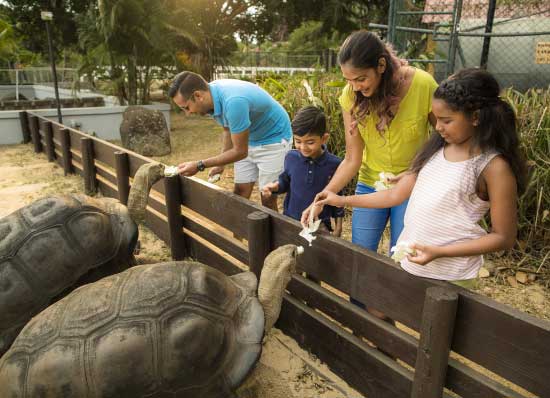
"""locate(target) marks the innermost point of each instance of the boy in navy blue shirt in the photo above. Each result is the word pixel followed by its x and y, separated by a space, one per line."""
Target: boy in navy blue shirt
pixel 308 169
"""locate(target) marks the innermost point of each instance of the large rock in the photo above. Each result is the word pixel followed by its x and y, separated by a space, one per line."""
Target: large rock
pixel 145 131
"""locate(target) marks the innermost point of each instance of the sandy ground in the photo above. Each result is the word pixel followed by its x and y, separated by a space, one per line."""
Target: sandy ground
pixel 284 370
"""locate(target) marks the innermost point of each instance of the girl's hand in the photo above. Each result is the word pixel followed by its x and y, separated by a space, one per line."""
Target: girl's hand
pixel 424 253
pixel 329 198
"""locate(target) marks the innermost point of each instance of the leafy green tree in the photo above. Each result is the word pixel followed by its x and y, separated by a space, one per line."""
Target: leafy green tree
pixel 25 16
pixel 209 28
pixel 335 15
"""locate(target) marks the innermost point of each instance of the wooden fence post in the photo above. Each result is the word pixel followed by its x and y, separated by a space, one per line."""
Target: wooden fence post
pixel 65 137
pixel 122 167
pixel 172 194
pixel 88 165
pixel 259 241
pixel 35 135
pixel 25 130
pixel 48 140
pixel 436 334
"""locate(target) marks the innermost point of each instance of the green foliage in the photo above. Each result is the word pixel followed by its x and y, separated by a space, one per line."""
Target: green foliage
pixel 282 18
pixel 309 36
pixel 25 16
pixel 533 111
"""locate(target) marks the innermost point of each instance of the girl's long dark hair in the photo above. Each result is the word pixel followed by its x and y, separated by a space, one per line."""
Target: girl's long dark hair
pixel 476 90
pixel 363 50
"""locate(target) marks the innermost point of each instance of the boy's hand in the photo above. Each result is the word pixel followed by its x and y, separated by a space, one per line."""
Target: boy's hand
pixel 329 198
pixel 188 169
pixel 424 253
pixel 268 189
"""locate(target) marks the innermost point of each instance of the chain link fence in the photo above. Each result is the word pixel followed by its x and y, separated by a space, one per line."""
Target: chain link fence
pixel 511 38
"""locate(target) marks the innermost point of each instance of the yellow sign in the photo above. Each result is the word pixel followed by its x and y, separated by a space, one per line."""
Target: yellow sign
pixel 542 52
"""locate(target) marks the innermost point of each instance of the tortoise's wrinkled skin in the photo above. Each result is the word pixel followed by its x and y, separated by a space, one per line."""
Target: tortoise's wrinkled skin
pixel 54 244
pixel 176 329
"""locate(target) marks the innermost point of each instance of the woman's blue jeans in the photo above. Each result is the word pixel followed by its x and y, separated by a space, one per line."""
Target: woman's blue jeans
pixel 367 225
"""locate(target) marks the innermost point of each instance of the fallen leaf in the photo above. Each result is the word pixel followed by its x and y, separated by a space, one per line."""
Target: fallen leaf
pixel 484 273
pixel 521 277
pixel 512 281
pixel 536 298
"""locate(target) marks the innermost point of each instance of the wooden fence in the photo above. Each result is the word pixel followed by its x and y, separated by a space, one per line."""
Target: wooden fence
pixel 199 221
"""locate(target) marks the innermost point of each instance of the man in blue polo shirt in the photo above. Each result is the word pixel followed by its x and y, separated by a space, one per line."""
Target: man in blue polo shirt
pixel 257 132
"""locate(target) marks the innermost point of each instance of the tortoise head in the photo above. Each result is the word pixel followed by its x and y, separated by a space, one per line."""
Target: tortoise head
pixel 278 268
pixel 146 176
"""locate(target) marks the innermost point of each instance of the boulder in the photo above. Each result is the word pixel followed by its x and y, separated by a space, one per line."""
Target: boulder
pixel 145 131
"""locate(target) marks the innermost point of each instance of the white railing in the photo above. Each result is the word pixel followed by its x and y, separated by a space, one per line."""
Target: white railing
pixel 221 72
pixel 36 75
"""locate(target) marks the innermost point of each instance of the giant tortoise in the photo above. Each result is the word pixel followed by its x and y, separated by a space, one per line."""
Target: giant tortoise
pixel 57 243
pixel 54 244
pixel 176 329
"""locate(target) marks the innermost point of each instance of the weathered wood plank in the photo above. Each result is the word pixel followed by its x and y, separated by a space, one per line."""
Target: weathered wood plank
pixel 363 367
pixel 436 334
pixel 259 241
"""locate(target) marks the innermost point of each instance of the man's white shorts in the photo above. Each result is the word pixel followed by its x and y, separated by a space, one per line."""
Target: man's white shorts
pixel 263 163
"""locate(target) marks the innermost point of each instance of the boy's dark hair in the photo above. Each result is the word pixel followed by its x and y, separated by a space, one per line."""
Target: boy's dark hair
pixel 476 90
pixel 309 120
pixel 186 83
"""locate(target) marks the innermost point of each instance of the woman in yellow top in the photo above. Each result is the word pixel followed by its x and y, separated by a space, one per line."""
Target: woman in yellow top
pixel 386 107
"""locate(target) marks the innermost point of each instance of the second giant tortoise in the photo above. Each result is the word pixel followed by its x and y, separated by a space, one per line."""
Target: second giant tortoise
pixel 50 245
pixel 177 329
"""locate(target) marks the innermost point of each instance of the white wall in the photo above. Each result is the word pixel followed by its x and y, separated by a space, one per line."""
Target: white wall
pixel 103 121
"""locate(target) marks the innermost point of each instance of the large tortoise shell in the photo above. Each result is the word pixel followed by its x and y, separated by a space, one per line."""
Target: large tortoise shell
pixel 177 329
pixel 47 246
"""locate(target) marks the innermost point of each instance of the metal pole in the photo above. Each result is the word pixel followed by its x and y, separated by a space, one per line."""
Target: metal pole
pixel 457 11
pixel 16 84
pixel 488 29
pixel 391 22
pixel 52 60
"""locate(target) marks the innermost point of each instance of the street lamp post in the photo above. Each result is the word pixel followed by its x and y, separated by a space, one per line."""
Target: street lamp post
pixel 47 16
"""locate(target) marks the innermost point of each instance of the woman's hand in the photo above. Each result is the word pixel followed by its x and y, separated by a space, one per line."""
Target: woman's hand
pixel 395 180
pixel 329 198
pixel 423 254
pixel 306 214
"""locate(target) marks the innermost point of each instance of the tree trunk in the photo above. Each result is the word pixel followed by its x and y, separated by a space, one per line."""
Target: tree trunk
pixel 132 79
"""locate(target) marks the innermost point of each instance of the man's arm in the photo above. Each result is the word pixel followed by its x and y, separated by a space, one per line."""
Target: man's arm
pixel 237 145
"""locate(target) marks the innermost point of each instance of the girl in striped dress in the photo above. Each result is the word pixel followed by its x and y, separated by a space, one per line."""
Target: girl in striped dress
pixel 470 166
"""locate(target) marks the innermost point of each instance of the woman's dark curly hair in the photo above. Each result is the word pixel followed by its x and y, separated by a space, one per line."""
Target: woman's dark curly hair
pixel 476 90
pixel 363 50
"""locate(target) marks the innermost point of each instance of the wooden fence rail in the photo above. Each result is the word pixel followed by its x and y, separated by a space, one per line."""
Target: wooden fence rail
pixel 198 220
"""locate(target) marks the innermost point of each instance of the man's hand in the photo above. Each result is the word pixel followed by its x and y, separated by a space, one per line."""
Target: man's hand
pixel 268 189
pixel 424 253
pixel 188 169
pixel 215 170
